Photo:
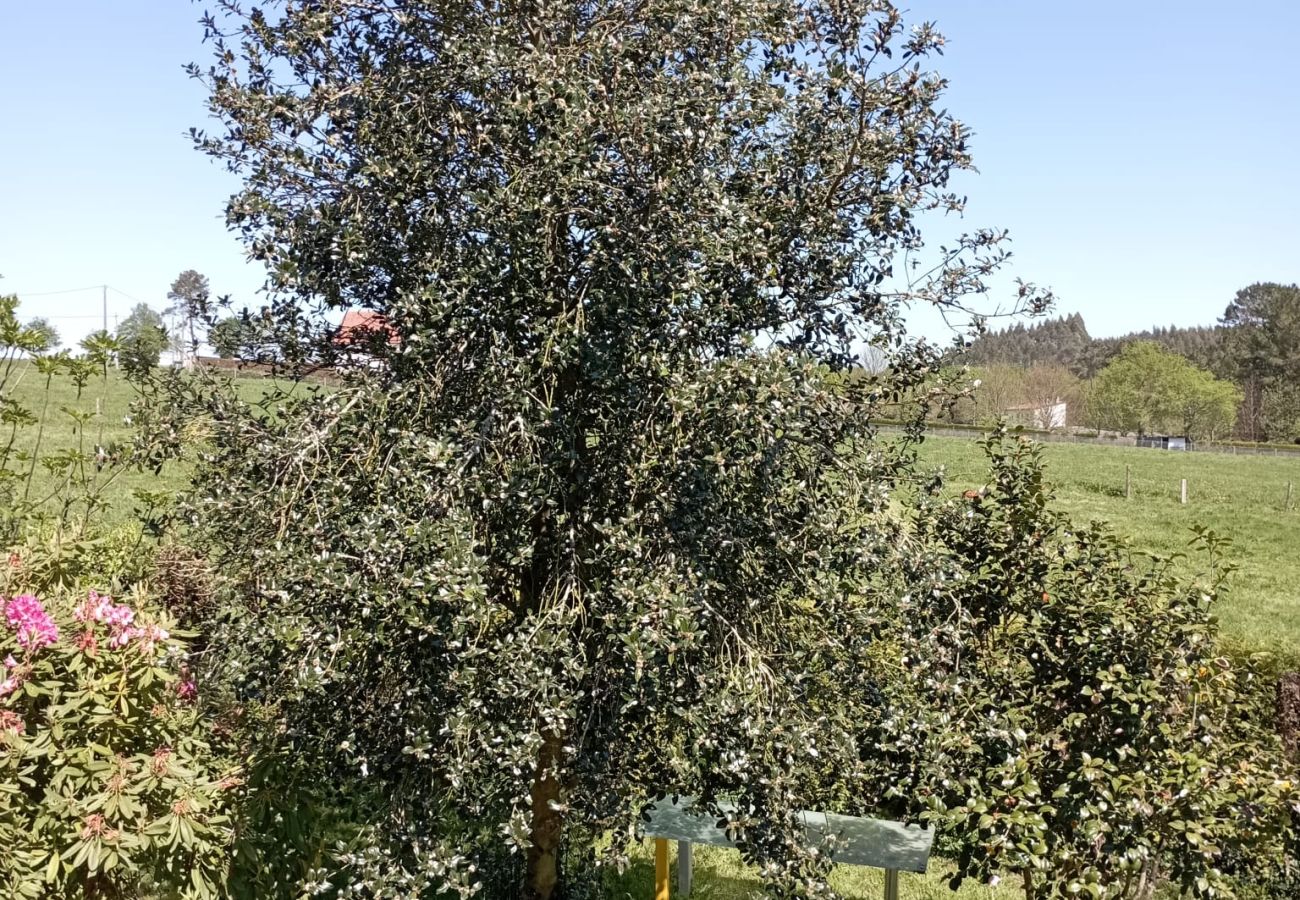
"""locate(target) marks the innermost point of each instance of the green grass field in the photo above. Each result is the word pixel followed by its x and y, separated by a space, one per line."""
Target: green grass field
pixel 1241 497
pixel 81 420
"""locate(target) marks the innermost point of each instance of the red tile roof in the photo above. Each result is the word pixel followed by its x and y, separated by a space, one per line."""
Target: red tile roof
pixel 360 326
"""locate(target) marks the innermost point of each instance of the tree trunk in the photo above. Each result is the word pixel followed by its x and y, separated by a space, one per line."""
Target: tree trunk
pixel 544 854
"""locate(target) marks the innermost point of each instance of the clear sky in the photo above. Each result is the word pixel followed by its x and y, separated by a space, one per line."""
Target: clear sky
pixel 1144 154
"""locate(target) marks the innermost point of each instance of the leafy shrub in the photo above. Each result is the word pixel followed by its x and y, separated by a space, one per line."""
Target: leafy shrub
pixel 1066 709
pixel 107 786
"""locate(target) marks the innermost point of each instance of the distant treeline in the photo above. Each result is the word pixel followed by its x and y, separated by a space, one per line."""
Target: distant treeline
pixel 1065 342
pixel 1254 345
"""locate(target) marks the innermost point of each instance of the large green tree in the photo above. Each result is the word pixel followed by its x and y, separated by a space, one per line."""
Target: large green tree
pixel 595 530
pixel 1263 338
pixel 241 336
pixel 142 339
pixel 1148 389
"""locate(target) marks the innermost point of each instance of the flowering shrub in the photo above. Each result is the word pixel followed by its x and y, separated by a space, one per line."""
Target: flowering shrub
pixel 106 787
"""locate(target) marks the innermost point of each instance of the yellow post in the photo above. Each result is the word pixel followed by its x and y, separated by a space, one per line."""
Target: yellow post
pixel 661 869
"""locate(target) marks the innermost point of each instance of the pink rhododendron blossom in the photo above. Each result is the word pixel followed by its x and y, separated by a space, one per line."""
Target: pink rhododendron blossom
pixel 150 636
pixel 123 636
pixel 95 608
pixel 26 616
pixel 11 721
pixel 11 682
pixel 187 689
pixel 120 616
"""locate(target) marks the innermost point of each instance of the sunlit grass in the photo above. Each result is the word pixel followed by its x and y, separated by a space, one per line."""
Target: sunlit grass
pixel 1241 497
pixel 720 875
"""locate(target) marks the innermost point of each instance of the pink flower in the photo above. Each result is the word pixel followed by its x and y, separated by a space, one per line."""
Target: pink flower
pixel 119 616
pixel 11 721
pixel 10 684
pixel 34 627
pixel 187 689
pixel 150 636
pixel 123 636
pixel 95 608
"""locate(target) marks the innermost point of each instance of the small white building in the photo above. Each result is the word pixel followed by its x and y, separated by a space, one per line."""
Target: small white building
pixel 1047 416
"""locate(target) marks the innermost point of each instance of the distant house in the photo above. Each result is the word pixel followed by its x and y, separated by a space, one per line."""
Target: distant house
pixel 361 333
pixel 1165 441
pixel 1047 416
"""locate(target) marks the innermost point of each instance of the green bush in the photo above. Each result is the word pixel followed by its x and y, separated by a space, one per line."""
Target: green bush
pixel 1065 709
pixel 107 786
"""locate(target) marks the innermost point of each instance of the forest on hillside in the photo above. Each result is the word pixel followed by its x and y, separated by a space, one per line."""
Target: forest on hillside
pixel 1238 377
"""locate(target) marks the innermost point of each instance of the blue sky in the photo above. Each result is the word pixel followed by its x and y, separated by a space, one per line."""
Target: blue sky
pixel 1144 154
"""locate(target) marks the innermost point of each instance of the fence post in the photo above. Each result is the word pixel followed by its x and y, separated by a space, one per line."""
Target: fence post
pixel 891 884
pixel 1182 495
pixel 1289 488
pixel 1128 482
pixel 684 868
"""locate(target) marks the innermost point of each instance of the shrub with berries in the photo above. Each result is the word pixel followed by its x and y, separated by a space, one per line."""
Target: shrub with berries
pixel 107 787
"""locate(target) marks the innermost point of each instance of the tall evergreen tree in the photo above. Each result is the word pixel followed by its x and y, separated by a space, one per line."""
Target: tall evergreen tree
pixel 592 529
pixel 1263 323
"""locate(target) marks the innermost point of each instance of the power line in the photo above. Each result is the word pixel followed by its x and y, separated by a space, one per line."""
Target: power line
pixel 93 287
pixel 127 296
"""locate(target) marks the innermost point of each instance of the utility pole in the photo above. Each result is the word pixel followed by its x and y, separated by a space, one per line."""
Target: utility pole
pixel 104 294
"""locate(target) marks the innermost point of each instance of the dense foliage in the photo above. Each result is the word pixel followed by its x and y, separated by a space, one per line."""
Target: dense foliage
pixel 598 508
pixel 1149 390
pixel 1263 325
pixel 1066 710
pixel 141 339
pixel 1065 341
pixel 1256 344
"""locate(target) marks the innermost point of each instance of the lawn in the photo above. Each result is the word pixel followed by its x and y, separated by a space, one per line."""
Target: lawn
pixel 82 419
pixel 1241 497
pixel 720 875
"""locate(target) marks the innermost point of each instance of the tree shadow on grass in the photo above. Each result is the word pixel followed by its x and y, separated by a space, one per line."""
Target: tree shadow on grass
pixel 716 877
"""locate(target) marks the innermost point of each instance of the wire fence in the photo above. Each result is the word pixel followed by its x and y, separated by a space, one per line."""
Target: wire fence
pixel 1066 437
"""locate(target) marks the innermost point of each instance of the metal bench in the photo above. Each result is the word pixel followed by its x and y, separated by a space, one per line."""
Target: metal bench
pixel 891 846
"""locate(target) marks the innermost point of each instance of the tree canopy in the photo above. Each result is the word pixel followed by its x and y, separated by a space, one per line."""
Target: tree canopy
pixel 191 299
pixel 1147 389
pixel 594 527
pixel 49 335
pixel 1263 323
pixel 142 338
